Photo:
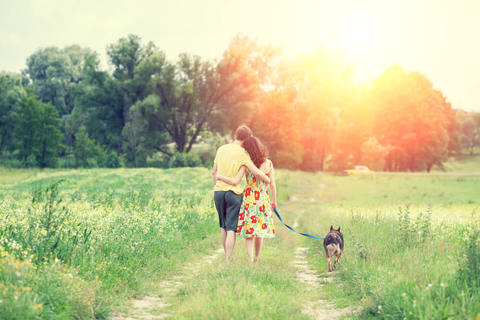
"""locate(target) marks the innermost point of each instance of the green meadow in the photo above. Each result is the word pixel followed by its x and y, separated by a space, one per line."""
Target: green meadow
pixel 81 244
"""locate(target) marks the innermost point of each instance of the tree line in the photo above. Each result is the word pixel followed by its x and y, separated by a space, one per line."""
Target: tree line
pixel 63 110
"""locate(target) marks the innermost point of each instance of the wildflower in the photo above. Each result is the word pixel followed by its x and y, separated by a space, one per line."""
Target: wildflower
pixel 18 274
pixel 37 306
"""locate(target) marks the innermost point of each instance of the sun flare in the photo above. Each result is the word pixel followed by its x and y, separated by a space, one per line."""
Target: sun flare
pixel 359 38
pixel 359 32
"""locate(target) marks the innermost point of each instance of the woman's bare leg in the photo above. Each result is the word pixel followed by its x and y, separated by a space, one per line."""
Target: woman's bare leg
pixel 258 247
pixel 249 245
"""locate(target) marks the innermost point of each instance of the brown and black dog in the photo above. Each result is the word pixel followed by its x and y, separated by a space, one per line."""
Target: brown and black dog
pixel 333 244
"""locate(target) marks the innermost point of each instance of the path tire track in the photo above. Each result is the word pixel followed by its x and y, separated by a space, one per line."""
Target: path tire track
pixel 320 309
pixel 153 307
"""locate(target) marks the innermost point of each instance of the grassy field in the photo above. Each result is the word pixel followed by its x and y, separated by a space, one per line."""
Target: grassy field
pixel 79 243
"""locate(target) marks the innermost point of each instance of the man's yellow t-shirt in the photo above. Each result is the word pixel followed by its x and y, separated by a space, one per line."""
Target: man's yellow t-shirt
pixel 229 159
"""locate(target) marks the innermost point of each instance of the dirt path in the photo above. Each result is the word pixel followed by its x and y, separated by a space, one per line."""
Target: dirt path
pixel 320 309
pixel 153 307
pixel 156 306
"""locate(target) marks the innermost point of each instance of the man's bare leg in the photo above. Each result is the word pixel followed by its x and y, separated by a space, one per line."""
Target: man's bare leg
pixel 229 244
pixel 224 239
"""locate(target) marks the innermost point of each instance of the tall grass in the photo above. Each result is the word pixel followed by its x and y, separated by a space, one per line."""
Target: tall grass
pixel 70 254
pixel 406 267
pixel 411 241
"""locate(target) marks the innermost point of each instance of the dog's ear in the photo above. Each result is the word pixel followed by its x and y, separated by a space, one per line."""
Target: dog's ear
pixel 331 228
pixel 338 228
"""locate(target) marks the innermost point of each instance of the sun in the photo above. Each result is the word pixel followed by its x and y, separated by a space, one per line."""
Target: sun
pixel 359 31
pixel 359 38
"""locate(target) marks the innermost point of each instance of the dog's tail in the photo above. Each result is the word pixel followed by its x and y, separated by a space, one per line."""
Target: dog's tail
pixel 333 249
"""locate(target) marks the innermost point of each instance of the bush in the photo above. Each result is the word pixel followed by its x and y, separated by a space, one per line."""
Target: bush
pixel 113 160
pixel 182 159
pixel 11 163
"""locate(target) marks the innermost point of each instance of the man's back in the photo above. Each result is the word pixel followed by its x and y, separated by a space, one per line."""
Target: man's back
pixel 229 158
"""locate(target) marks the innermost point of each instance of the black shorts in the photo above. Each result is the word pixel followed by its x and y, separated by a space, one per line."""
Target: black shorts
pixel 228 207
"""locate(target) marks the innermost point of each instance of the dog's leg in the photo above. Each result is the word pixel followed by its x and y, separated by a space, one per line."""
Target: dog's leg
pixel 331 249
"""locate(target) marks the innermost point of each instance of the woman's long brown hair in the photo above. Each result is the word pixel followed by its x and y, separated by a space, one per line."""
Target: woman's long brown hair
pixel 256 150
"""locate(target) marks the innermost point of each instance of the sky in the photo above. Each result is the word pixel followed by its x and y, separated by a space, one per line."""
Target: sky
pixel 438 38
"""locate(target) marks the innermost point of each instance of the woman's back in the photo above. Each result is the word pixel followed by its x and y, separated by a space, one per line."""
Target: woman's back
pixel 252 181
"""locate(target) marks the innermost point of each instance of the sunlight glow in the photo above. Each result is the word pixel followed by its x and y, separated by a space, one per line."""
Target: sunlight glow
pixel 359 38
pixel 359 33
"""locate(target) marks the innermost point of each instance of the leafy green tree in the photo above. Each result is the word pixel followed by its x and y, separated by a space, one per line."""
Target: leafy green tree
pixel 136 137
pixel 12 95
pixel 89 153
pixel 103 100
pixel 100 108
pixel 194 94
pixel 55 73
pixel 38 133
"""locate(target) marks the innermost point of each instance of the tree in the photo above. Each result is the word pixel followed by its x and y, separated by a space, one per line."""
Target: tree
pixel 276 124
pixel 12 95
pixel 325 89
pixel 412 120
pixel 54 74
pixel 467 131
pixel 38 133
pixel 194 94
pixel 87 152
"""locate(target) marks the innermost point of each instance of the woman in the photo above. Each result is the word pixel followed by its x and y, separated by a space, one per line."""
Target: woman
pixel 255 219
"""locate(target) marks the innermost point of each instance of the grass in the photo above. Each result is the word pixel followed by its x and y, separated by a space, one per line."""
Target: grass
pixel 407 252
pixel 108 231
pixel 267 290
pixel 79 243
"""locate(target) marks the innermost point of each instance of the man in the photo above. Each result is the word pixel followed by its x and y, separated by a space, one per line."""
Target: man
pixel 228 198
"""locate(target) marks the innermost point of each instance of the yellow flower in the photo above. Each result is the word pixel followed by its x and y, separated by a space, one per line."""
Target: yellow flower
pixel 37 306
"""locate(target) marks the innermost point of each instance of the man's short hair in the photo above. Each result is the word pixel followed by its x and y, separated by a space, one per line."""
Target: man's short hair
pixel 243 133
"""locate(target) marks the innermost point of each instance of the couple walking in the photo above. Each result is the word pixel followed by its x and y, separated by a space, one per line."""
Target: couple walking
pixel 248 211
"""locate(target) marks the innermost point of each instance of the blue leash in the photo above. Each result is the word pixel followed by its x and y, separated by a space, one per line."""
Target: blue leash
pixel 286 225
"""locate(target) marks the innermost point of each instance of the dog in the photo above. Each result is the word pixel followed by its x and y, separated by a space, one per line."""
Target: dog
pixel 333 244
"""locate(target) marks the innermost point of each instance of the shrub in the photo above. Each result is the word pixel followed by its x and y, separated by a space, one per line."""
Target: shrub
pixel 182 159
pixel 113 160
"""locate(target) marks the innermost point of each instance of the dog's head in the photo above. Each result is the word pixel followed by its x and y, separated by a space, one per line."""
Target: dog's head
pixel 332 230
